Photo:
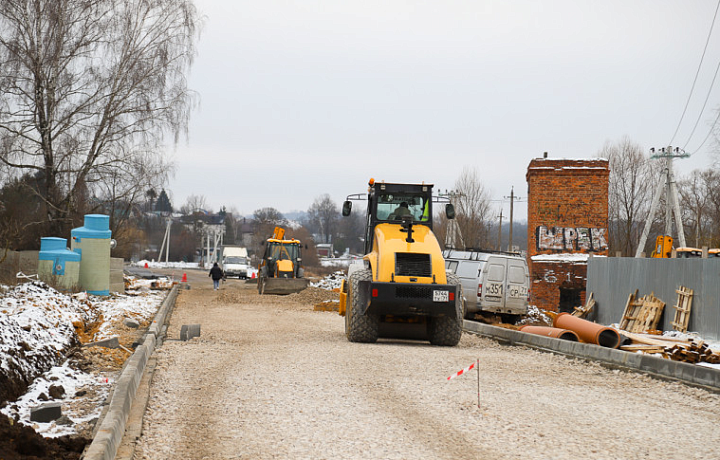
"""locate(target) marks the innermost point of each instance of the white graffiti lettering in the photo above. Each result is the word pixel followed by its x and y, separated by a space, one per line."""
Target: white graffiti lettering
pixel 571 238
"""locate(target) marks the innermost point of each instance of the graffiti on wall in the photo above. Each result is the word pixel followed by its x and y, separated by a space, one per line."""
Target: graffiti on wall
pixel 571 238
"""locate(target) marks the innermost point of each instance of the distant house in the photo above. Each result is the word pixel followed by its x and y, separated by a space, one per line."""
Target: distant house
pixel 324 249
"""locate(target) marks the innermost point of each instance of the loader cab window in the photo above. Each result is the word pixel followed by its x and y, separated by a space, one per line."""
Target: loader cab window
pixel 392 207
pixel 283 251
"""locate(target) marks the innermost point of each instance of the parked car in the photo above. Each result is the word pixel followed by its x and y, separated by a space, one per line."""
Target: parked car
pixel 495 283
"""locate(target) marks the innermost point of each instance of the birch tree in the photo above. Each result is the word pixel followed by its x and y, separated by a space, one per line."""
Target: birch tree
pixel 90 90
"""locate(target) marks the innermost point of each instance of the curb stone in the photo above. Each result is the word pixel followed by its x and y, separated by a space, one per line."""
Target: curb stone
pixel 111 425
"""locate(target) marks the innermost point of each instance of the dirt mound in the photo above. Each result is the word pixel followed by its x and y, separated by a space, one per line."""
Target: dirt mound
pixel 21 442
pixel 313 295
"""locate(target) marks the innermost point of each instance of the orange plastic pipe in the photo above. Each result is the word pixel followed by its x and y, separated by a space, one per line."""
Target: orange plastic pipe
pixel 588 331
pixel 548 331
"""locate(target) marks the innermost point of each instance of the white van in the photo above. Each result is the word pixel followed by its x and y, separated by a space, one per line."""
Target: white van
pixel 493 282
pixel 235 261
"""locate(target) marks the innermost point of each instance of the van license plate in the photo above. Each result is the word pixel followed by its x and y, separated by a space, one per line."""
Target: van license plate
pixel 441 296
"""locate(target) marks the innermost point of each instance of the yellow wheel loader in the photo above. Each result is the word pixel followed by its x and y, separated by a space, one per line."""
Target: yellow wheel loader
pixel 280 271
pixel 400 288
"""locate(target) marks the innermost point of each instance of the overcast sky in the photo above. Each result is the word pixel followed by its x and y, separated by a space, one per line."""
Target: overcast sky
pixel 301 98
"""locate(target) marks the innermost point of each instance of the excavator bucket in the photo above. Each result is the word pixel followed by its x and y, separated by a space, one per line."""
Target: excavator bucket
pixel 282 286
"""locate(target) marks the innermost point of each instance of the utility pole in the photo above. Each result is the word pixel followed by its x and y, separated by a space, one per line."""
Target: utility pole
pixel 512 201
pixel 453 235
pixel 672 204
pixel 165 246
pixel 499 244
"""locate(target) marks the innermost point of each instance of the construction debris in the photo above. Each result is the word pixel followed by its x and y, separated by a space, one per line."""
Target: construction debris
pixel 642 315
pixel 687 350
pixel 584 311
pixel 695 353
pixel 682 309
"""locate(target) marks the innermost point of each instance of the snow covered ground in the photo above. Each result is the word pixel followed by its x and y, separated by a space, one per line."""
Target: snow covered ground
pixel 40 331
pixel 330 282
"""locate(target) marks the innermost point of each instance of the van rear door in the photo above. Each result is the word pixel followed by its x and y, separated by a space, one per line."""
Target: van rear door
pixel 494 288
pixel 518 282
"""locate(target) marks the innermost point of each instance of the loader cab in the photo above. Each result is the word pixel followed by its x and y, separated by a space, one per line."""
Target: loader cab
pixel 401 204
pixel 282 258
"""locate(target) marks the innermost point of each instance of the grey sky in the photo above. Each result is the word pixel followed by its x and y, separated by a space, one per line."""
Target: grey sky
pixel 301 98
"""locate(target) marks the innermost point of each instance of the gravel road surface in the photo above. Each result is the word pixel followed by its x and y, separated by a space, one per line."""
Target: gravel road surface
pixel 269 378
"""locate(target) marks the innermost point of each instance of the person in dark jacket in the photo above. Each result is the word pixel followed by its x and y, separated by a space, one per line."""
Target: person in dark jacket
pixel 216 274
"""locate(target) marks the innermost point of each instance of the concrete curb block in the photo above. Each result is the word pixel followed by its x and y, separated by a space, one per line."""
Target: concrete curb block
pixel 111 427
pixel 660 367
pixel 156 326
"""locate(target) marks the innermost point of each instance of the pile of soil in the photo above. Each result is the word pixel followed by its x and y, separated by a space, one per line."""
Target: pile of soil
pixel 21 442
pixel 313 295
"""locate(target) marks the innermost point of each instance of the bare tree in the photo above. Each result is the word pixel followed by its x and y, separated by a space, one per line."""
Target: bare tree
pixel 632 179
pixel 472 207
pixel 695 201
pixel 90 89
pixel 193 204
pixel 268 216
pixel 351 232
pixel 322 217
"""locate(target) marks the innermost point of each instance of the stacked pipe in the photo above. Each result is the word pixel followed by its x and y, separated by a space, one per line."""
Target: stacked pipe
pixel 568 327
pixel 549 331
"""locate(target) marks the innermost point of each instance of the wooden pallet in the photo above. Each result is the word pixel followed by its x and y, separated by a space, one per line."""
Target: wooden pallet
pixel 582 312
pixel 682 309
pixel 630 313
pixel 642 315
pixel 648 316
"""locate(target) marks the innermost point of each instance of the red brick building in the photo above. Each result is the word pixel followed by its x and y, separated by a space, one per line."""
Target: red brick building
pixel 567 222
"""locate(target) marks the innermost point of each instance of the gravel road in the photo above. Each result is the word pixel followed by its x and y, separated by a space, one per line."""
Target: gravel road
pixel 269 378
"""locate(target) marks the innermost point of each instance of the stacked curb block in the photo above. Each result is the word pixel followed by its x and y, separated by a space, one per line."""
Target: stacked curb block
pixel 111 427
pixel 664 368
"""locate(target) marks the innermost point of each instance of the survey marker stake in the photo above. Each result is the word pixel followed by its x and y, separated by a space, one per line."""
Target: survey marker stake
pixel 475 365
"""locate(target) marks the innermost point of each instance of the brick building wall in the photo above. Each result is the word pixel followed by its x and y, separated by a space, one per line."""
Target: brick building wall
pixel 567 222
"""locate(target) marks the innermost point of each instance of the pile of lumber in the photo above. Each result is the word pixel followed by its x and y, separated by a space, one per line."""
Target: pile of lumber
pixel 642 315
pixel 687 350
pixel 694 353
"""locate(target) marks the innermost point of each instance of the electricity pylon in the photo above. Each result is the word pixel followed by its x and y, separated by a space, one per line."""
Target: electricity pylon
pixel 672 204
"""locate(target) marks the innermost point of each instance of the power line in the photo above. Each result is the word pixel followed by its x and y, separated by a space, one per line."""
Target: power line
pixel 708 134
pixel 704 104
pixel 697 73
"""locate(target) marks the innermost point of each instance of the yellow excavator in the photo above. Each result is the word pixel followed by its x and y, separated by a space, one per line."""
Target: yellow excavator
pixel 280 271
pixel 663 247
pixel 400 287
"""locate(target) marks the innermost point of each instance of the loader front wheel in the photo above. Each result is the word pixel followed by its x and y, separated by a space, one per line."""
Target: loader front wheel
pixel 360 327
pixel 447 330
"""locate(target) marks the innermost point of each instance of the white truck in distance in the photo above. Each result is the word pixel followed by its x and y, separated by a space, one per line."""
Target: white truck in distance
pixel 235 261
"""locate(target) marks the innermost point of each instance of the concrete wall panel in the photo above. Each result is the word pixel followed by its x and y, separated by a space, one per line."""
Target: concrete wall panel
pixel 612 280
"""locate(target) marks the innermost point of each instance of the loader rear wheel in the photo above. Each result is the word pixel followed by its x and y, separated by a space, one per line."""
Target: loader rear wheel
pixel 446 330
pixel 360 327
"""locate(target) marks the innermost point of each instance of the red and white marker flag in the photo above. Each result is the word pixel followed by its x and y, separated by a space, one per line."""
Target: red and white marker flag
pixel 459 373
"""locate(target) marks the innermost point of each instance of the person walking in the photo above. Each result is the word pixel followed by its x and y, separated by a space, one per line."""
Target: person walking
pixel 216 274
